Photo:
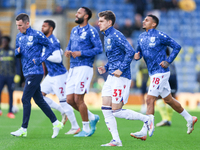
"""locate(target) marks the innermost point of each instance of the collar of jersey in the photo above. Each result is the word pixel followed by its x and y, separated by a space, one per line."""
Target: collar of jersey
pixel 50 36
pixel 150 30
pixel 28 30
pixel 106 33
pixel 81 28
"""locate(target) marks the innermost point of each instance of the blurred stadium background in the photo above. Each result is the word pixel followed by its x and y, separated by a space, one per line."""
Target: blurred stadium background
pixel 178 18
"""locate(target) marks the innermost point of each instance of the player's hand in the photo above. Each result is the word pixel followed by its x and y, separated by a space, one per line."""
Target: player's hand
pixel 117 73
pixel 164 64
pixel 76 54
pixel 18 50
pixel 101 70
pixel 137 56
pixel 68 53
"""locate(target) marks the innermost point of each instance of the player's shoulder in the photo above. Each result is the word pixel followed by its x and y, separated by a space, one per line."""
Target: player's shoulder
pixel 161 34
pixel 116 34
pixel 19 35
pixel 92 29
pixel 53 39
pixel 37 33
pixel 142 34
pixel 74 28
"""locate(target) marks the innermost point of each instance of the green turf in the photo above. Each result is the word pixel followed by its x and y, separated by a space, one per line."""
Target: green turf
pixel 40 131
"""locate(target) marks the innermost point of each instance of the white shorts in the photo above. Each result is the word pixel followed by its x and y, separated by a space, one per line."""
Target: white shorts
pixel 55 85
pixel 117 88
pixel 78 81
pixel 159 85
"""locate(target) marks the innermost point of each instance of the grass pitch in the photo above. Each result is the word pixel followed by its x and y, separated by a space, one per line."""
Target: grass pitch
pixel 40 132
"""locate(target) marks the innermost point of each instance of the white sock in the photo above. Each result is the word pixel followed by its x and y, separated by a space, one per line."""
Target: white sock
pixel 91 116
pixel 70 114
pixel 186 115
pixel 130 115
pixel 111 122
pixel 24 129
pixel 53 104
pixel 55 123
pixel 86 126
pixel 144 128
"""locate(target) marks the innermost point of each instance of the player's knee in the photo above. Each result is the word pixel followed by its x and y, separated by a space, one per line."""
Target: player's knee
pixel 25 101
pixel 79 101
pixel 117 113
pixel 70 101
pixel 168 101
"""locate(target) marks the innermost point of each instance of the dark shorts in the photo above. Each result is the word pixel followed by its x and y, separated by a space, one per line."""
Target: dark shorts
pixel 144 87
pixel 173 84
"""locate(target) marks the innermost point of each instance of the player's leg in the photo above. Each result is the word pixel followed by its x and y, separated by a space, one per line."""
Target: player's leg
pixel 68 110
pixel 47 88
pixel 110 120
pixel 120 92
pixel 74 125
pixel 162 108
pixel 29 90
pixel 38 98
pixel 106 108
pixel 2 83
pixel 169 108
pixel 10 85
pixel 58 87
pixel 144 90
pixel 82 86
pixel 53 104
pixel 191 120
pixel 79 100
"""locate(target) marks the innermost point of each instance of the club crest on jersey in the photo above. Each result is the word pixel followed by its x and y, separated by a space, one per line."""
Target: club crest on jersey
pixel 108 41
pixel 83 35
pixel 152 39
pixel 152 44
pixel 30 38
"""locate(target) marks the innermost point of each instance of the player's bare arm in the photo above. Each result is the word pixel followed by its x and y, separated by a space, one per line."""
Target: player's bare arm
pixel 117 73
pixel 164 64
pixel 68 53
pixel 137 56
pixel 101 70
pixel 76 54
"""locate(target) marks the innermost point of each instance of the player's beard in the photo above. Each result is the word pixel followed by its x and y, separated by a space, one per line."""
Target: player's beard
pixel 80 20
pixel 46 32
